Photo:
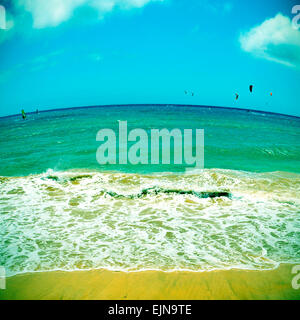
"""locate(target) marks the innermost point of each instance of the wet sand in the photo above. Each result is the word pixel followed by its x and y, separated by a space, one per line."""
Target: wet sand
pixel 103 284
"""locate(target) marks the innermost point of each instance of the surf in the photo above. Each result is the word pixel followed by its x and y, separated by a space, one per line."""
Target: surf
pixel 84 219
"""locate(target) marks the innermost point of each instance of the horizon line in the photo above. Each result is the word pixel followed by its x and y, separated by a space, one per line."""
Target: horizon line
pixel 155 105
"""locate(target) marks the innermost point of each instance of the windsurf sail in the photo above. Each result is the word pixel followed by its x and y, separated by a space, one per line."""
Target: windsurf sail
pixel 23 114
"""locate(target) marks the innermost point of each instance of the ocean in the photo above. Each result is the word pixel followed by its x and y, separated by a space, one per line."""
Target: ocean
pixel 61 210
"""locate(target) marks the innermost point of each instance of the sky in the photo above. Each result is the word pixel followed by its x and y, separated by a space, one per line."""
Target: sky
pixel 68 53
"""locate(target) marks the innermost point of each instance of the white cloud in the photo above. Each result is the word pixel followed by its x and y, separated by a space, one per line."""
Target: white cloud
pixel 275 39
pixel 50 13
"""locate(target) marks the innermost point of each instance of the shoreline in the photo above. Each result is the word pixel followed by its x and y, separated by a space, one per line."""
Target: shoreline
pixel 234 284
pixel 189 171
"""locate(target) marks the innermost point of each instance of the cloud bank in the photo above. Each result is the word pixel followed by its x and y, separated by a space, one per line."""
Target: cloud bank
pixel 50 13
pixel 275 39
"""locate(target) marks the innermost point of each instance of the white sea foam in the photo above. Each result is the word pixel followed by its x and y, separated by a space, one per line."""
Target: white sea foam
pixel 77 220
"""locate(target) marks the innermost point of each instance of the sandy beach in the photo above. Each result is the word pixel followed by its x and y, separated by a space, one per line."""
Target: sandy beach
pixel 150 150
pixel 108 285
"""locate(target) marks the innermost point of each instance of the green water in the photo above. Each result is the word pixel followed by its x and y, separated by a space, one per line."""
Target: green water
pixel 63 140
pixel 61 210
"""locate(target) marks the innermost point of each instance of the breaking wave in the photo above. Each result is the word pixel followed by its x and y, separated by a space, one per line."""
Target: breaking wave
pixel 203 220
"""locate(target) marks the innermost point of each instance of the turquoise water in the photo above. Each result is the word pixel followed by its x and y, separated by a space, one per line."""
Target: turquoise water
pixel 61 210
pixel 66 139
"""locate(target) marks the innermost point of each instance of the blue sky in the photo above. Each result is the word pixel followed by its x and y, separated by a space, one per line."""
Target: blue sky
pixel 68 53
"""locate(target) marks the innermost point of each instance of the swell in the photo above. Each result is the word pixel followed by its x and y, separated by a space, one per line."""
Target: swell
pixel 152 191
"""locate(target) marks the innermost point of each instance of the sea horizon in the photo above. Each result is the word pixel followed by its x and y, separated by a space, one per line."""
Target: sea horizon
pixel 247 109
